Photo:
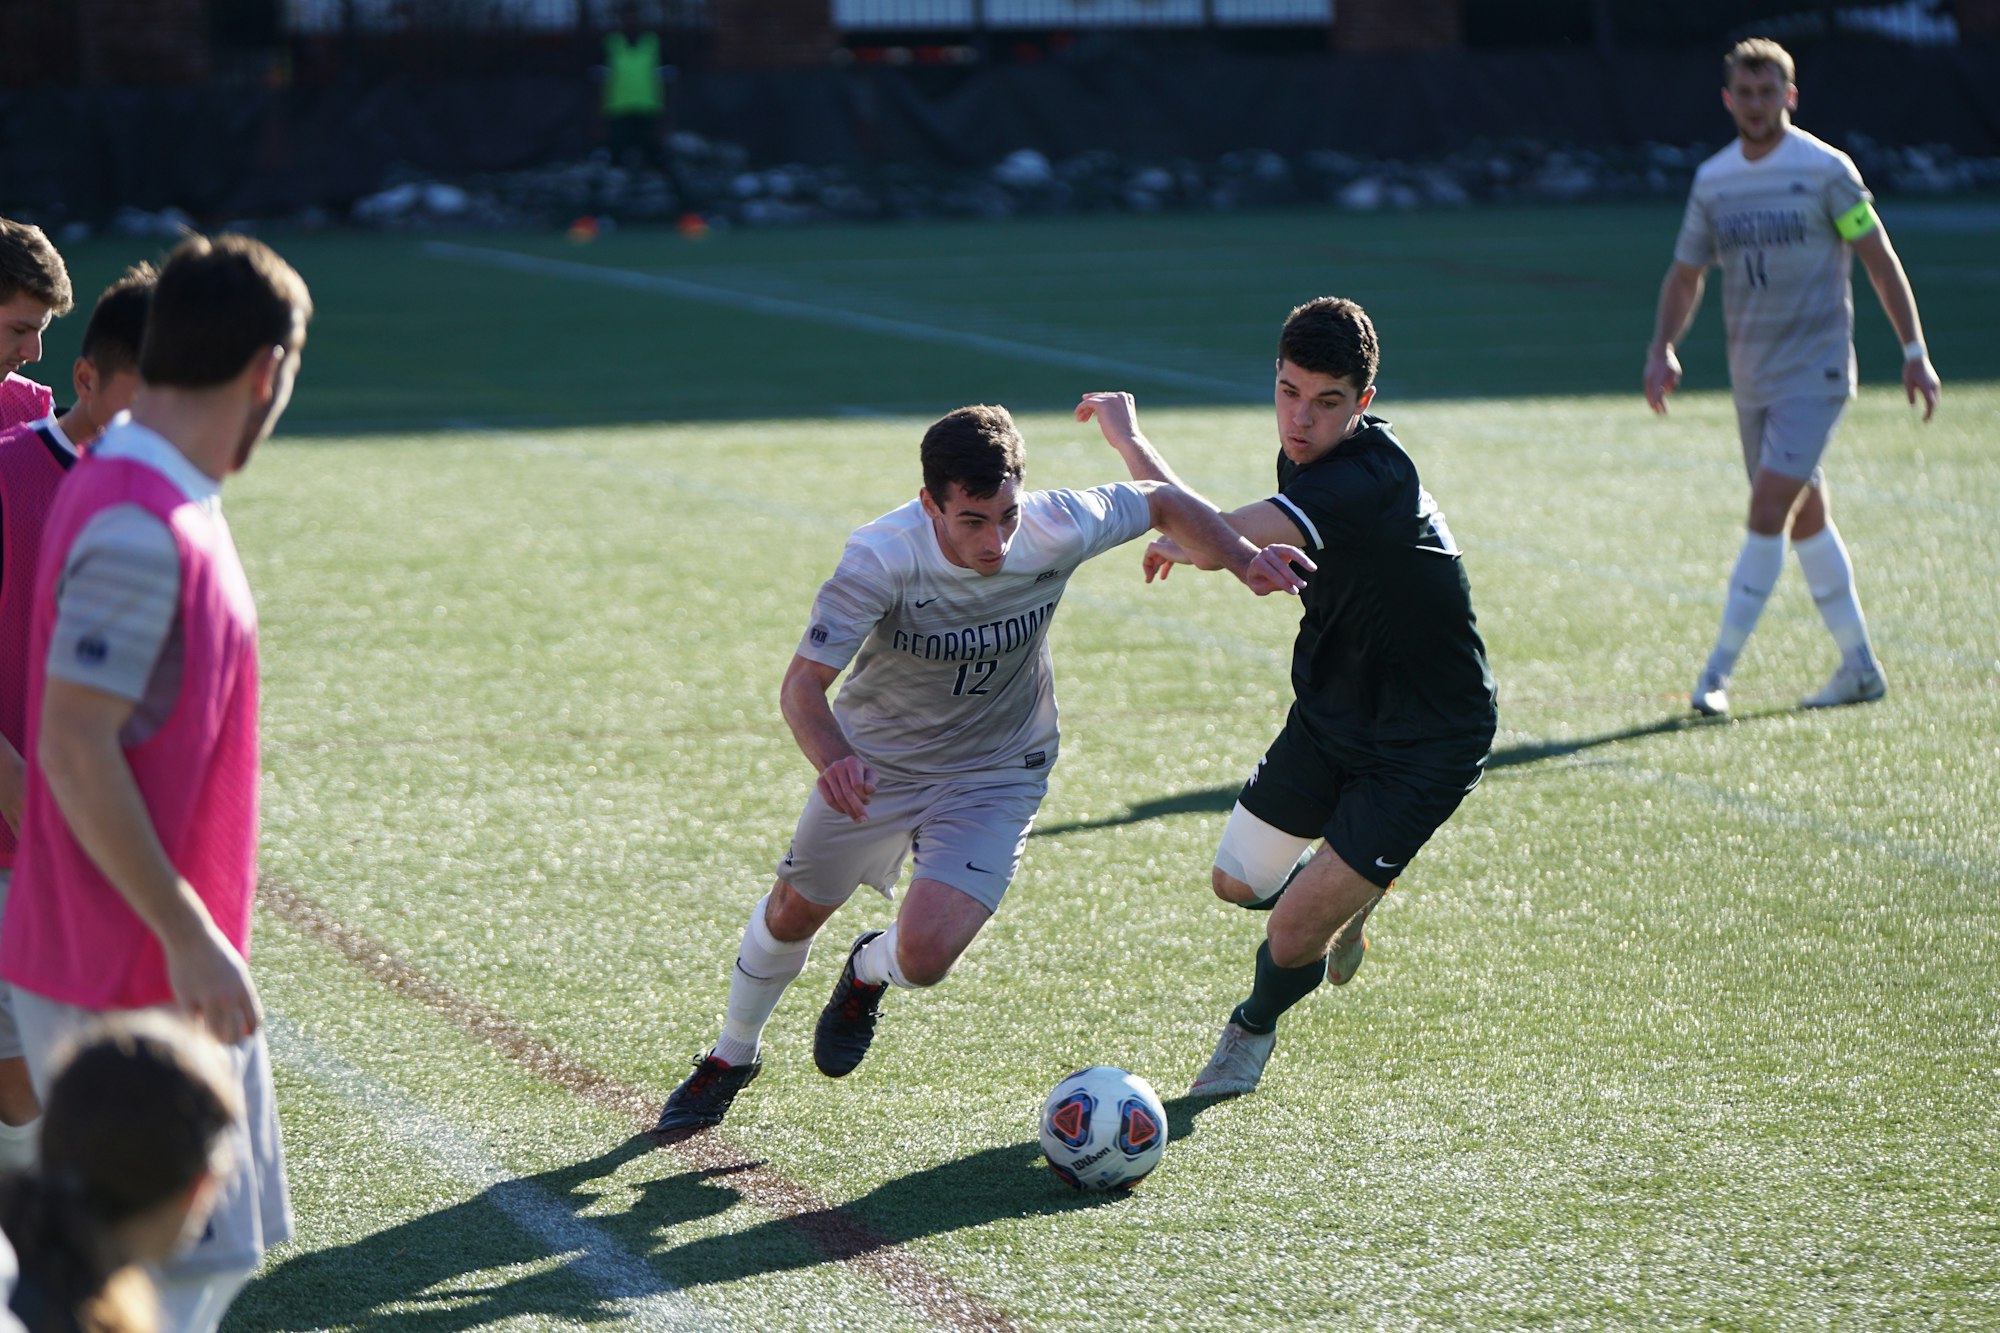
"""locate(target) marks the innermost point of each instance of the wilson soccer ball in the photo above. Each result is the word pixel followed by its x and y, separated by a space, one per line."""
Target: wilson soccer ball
pixel 1103 1128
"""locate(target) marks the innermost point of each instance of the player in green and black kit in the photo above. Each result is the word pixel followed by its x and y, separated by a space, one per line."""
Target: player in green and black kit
pixel 1394 711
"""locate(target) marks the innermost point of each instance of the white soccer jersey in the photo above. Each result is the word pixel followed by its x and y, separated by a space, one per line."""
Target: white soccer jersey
pixel 951 670
pixel 1787 295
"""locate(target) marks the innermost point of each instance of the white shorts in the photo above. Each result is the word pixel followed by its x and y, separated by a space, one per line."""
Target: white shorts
pixel 254 1210
pixel 969 835
pixel 1788 437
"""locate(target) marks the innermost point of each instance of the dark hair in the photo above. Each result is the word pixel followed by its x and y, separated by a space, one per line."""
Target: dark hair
pixel 111 340
pixel 138 1111
pixel 1754 53
pixel 220 302
pixel 1332 335
pixel 28 263
pixel 978 448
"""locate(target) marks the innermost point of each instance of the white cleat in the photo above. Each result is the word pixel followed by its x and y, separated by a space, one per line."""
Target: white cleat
pixel 1850 685
pixel 1711 695
pixel 1237 1065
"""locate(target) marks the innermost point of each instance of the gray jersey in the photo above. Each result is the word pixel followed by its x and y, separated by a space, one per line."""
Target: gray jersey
pixel 951 670
pixel 1787 294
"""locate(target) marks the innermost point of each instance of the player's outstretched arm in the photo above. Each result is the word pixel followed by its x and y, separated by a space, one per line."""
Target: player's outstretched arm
pixel 1209 541
pixel 1899 303
pixel 85 766
pixel 845 782
pixel 1680 297
pixel 1118 417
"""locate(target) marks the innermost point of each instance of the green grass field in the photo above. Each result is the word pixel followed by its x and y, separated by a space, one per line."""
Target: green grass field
pixel 1675 1025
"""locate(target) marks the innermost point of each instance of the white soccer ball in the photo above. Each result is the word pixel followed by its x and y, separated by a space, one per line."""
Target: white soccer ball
pixel 1103 1128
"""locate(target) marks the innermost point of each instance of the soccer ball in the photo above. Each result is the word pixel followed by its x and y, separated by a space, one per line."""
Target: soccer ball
pixel 1103 1128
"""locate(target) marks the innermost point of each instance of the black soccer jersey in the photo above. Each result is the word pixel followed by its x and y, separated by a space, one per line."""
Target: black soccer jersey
pixel 1388 661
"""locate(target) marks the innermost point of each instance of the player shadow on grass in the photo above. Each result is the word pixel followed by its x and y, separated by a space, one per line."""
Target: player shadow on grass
pixel 488 1258
pixel 481 1261
pixel 1220 800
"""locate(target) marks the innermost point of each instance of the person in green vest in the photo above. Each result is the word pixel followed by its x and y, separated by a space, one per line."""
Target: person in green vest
pixel 634 84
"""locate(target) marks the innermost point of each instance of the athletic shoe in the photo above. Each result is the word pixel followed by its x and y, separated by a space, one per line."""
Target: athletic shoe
pixel 1711 695
pixel 847 1024
pixel 1850 685
pixel 1350 947
pixel 1237 1065
pixel 705 1097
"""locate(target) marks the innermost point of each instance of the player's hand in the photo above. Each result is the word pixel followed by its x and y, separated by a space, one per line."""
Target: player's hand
pixel 1921 377
pixel 1276 569
pixel 846 785
pixel 1117 415
pixel 1663 376
pixel 211 984
pixel 13 787
pixel 1162 554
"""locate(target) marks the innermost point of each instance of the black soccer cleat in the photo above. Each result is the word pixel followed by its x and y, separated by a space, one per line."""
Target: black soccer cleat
pixel 704 1098
pixel 847 1024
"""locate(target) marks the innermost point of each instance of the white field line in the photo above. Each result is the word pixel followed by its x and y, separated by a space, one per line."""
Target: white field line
pixel 631 1291
pixel 1825 830
pixel 860 321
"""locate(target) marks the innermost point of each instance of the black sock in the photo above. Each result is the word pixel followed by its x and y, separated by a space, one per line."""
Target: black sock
pixel 1276 990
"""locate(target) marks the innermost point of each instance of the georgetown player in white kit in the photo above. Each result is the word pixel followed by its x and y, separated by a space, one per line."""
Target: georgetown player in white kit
pixel 939 745
pixel 1783 215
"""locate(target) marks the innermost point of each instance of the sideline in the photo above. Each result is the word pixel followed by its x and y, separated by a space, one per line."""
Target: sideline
pixel 818 1220
pixel 634 1293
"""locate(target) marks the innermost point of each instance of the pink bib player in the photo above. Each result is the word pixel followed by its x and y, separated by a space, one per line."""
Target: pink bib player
pixel 30 468
pixel 22 400
pixel 69 935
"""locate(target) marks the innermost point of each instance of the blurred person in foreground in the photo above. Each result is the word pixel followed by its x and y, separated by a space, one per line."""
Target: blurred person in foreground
pixel 1393 710
pixel 133 885
pixel 142 1111
pixel 34 289
pixel 1783 215
pixel 34 457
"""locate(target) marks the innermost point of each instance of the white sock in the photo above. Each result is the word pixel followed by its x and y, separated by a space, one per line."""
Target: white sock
pixel 1758 566
pixel 18 1144
pixel 1823 560
pixel 765 965
pixel 877 963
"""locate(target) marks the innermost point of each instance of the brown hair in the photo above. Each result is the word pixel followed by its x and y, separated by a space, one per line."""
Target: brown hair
pixel 137 1113
pixel 1332 335
pixel 118 323
pixel 1758 53
pixel 977 447
pixel 28 263
pixel 220 302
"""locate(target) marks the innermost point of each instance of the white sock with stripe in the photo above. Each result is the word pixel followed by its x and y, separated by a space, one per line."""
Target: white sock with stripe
pixel 1758 566
pixel 1830 575
pixel 765 965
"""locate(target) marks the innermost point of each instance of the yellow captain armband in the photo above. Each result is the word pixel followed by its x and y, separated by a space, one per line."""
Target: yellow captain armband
pixel 1856 222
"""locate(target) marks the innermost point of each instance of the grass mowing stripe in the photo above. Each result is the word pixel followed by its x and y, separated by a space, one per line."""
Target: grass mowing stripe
pixel 633 1293
pixel 783 308
pixel 837 1235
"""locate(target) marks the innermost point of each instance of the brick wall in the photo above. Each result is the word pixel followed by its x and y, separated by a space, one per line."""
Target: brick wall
pixel 144 41
pixel 772 34
pixel 1398 25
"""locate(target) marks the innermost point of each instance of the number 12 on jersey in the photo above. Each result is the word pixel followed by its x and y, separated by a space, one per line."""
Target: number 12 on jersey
pixel 972 677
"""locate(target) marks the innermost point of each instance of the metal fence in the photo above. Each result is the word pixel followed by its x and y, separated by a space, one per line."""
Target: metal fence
pixel 389 16
pixel 1015 15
